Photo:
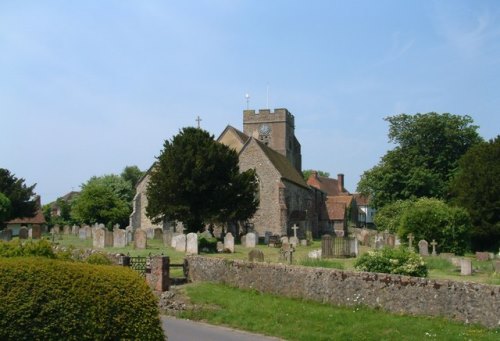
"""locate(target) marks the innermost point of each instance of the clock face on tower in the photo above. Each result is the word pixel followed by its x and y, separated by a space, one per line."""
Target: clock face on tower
pixel 264 129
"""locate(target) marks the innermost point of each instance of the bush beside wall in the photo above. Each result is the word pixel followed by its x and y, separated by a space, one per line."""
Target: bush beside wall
pixel 468 302
pixel 44 299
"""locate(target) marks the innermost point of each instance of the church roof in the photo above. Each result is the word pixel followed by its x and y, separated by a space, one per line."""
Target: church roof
pixel 241 135
pixel 282 165
pixel 336 206
pixel 327 185
pixel 37 219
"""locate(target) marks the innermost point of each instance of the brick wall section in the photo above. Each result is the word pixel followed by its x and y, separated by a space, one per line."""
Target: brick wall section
pixel 464 301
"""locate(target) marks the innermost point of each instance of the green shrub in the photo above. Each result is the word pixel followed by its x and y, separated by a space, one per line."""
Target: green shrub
pixel 392 261
pixel 208 245
pixel 17 248
pixel 45 299
pixel 98 259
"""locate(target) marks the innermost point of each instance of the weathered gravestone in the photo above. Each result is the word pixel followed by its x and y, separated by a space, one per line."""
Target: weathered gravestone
pixel 256 255
pixel 167 237
pixel 23 232
pixel 423 248
pixel 30 233
pixel 36 232
pixel 267 235
pixel 66 230
pixel 410 240
pixel 303 242
pixel 192 244
pixel 6 235
pixel 326 246
pixel 286 253
pixel 150 233
pixel 99 238
pixel 455 261
pixel 294 241
pixel 157 233
pixel 119 238
pixel 75 230
pixel 379 242
pixel 130 234
pixel 465 267
pixel 180 243
pixel 482 256
pixel 220 246
pixel 108 238
pixel 229 242
pixel 391 240
pixel 250 240
pixel 55 229
pixel 353 247
pixel 496 265
pixel 243 240
pixel 284 240
pixel 315 254
pixel 140 239
pixel 434 244
pixel 82 234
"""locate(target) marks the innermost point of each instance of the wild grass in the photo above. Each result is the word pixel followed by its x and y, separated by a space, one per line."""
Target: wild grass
pixel 295 319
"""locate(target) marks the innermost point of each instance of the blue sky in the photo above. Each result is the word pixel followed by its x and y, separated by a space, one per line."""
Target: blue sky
pixel 89 87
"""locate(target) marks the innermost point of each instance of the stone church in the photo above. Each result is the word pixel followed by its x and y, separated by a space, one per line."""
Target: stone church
pixel 269 145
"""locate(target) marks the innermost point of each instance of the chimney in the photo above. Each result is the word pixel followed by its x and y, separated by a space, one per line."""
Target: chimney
pixel 314 174
pixel 340 182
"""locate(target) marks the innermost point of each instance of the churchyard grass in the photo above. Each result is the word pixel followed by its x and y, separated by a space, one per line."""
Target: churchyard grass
pixel 295 319
pixel 322 263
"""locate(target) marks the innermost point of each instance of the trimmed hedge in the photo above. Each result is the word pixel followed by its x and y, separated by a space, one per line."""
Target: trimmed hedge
pixel 45 299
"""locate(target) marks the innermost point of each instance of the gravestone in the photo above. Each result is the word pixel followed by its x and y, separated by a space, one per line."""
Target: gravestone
pixel 229 242
pixel 119 238
pixel 286 253
pixel 116 227
pixel 353 247
pixel 315 254
pixel 244 240
pixel 465 267
pixel 326 246
pixel 174 239
pixel 99 238
pixel 391 240
pixel 423 248
pixel 496 265
pixel 434 244
pixel 158 233
pixel 293 241
pixel 130 234
pixel 167 237
pixel 267 234
pixel 410 240
pixel 23 232
pixel 30 233
pixel 180 243
pixel 284 240
pixel 66 230
pixel 192 244
pixel 6 235
pixel 256 255
pixel 150 233
pixel 303 242
pixel 220 246
pixel 75 230
pixel 140 239
pixel 379 242
pixel 309 237
pixel 55 229
pixel 100 226
pixel 250 240
pixel 206 234
pixel 455 261
pixel 108 238
pixel 482 256
pixel 36 232
pixel 82 234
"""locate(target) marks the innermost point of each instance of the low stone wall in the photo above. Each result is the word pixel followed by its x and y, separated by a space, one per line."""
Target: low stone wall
pixel 465 301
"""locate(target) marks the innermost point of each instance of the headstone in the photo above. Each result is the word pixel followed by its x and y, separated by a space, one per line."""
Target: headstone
pixel 116 227
pixel 316 254
pixel 295 228
pixel 220 246
pixel 397 241
pixel 6 235
pixel 423 248
pixel 465 267
pixel 294 241
pixel 150 233
pixel 23 232
pixel 326 246
pixel 496 265
pixel 303 242
pixel 455 261
pixel 55 229
pixel 250 240
pixel 244 240
pixel 66 230
pixel 180 243
pixel 410 240
pixel 36 232
pixel 167 237
pixel 206 234
pixel 119 238
pixel 130 234
pixel 229 242
pixel 101 226
pixel 309 237
pixel 256 255
pixel 482 256
pixel 192 244
pixel 108 238
pixel 286 253
pixel 391 240
pixel 353 247
pixel 75 230
pixel 379 242
pixel 267 234
pixel 82 234
pixel 30 233
pixel 140 239
pixel 99 238
pixel 434 244
pixel 158 233
pixel 284 240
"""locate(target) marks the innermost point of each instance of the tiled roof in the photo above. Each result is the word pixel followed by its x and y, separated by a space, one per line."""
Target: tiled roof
pixel 241 135
pixel 37 219
pixel 361 200
pixel 283 165
pixel 327 185
pixel 336 206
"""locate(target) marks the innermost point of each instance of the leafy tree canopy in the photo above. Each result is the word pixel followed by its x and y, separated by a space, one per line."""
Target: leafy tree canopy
pixel 19 196
pixel 476 187
pixel 121 188
pixel 196 180
pixel 132 174
pixel 389 217
pixel 5 208
pixel 98 203
pixel 428 147
pixel 307 173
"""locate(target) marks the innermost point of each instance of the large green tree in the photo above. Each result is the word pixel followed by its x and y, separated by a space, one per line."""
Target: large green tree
pixel 132 174
pixel 307 173
pixel 476 187
pixel 19 196
pixel 428 147
pixel 197 180
pixel 121 187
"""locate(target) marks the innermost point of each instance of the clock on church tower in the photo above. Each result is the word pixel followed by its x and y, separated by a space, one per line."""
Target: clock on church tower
pixel 264 129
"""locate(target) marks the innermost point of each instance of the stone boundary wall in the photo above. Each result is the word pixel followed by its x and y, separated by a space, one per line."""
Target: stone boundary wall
pixel 464 301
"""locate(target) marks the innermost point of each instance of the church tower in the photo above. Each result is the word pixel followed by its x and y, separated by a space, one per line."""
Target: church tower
pixel 276 130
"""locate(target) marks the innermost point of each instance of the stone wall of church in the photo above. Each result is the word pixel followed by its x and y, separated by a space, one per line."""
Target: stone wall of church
pixel 267 217
pixel 138 218
pixel 298 200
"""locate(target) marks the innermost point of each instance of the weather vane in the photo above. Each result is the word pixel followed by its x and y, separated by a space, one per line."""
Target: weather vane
pixel 247 97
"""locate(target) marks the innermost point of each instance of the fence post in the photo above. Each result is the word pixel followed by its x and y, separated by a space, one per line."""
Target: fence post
pixel 124 261
pixel 159 278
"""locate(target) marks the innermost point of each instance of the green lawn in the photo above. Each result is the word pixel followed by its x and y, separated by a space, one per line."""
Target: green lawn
pixel 294 319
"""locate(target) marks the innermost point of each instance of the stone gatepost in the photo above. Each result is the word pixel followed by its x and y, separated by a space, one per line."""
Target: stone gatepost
pixel 159 277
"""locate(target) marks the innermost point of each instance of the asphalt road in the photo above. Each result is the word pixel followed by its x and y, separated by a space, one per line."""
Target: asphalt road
pixel 186 330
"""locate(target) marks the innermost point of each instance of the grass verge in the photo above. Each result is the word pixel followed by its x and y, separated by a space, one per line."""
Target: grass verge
pixel 295 319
